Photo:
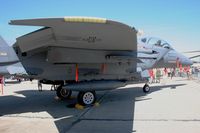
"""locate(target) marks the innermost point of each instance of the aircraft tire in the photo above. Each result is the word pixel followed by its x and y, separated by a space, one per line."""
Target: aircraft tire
pixel 146 88
pixel 63 93
pixel 86 98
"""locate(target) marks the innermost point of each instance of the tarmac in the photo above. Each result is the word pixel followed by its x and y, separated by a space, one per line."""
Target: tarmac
pixel 171 106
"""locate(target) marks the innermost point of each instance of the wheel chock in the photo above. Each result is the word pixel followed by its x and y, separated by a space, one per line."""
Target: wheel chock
pixel 96 104
pixel 57 98
pixel 78 106
pixel 72 97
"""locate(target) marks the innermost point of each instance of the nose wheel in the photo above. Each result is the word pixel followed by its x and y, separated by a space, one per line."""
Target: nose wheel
pixel 146 88
pixel 86 98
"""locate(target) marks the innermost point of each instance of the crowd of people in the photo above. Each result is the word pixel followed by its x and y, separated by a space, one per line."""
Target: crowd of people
pixel 156 74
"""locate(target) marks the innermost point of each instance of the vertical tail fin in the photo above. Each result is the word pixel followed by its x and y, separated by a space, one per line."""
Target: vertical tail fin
pixel 7 54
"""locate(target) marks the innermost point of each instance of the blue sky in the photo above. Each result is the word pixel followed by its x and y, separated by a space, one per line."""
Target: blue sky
pixel 177 21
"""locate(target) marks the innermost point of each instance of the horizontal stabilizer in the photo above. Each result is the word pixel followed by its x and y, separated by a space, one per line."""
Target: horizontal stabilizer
pixel 194 56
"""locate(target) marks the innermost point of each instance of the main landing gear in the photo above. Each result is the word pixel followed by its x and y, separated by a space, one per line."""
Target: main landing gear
pixel 85 98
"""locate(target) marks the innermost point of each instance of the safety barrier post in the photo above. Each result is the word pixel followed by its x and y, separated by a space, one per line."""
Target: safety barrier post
pixel 2 80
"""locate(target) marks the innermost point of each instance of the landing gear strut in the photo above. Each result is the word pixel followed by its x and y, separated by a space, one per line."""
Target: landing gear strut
pixel 146 88
pixel 63 93
pixel 87 97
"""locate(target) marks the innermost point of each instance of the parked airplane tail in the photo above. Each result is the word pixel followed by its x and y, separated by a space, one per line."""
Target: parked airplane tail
pixel 7 54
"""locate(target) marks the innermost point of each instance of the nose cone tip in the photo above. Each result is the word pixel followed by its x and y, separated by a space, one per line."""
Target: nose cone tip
pixel 186 60
pixel 190 62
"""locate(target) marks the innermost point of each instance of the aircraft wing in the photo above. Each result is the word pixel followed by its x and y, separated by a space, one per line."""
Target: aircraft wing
pixel 194 56
pixel 77 32
pixel 196 51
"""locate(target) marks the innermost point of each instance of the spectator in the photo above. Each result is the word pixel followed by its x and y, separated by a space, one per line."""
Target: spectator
pixel 165 71
pixel 151 76
pixel 39 85
pixel 158 75
pixel 53 87
pixel 172 72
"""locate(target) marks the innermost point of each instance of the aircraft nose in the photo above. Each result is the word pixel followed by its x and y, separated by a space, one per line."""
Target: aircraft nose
pixel 190 62
pixel 186 61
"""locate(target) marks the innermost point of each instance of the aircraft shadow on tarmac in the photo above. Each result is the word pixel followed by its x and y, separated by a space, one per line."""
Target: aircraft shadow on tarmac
pixel 119 118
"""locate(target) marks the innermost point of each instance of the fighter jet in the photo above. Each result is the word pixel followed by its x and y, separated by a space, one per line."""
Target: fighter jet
pixel 170 59
pixel 147 55
pixel 9 62
pixel 6 59
pixel 82 54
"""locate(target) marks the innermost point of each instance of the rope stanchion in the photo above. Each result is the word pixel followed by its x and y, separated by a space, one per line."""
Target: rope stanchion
pixel 1 81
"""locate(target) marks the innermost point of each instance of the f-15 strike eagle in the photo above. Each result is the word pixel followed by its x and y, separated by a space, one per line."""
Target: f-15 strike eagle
pixel 170 59
pixel 80 54
pixel 83 54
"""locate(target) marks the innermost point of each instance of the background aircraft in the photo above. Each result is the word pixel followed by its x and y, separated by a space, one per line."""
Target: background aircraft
pixel 170 59
pixel 9 62
pixel 6 59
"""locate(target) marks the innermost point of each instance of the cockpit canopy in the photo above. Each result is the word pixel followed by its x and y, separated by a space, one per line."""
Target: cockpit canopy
pixel 156 42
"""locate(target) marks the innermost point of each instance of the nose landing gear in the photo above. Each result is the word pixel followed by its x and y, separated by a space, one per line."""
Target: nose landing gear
pixel 146 88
